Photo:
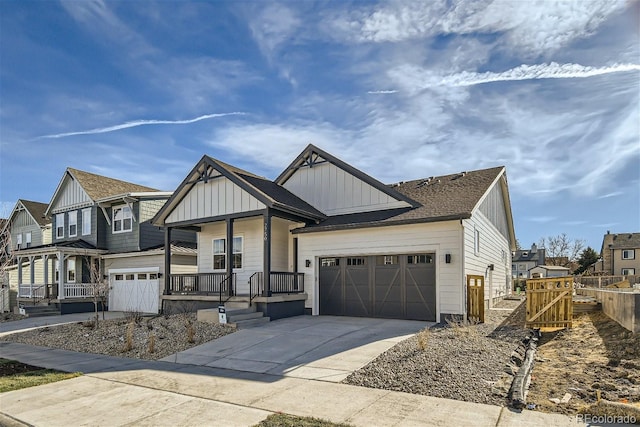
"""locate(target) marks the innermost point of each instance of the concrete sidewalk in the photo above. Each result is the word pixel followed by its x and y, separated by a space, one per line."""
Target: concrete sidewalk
pixel 118 391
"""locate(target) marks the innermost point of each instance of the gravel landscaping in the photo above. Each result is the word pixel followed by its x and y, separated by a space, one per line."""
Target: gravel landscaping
pixel 138 337
pixel 462 362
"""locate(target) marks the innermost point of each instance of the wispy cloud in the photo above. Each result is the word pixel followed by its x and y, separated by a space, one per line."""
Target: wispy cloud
pixel 136 123
pixel 382 92
pixel 541 219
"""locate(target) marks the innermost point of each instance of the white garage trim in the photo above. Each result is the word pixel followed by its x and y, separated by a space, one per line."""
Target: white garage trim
pixel 134 270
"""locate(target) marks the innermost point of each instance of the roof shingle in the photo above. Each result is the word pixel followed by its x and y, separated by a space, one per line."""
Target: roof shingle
pixel 98 186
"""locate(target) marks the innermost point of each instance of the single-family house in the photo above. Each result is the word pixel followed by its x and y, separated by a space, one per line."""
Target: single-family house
pixel 541 271
pixel 27 226
pixel 101 230
pixel 621 254
pixel 326 238
pixel 524 260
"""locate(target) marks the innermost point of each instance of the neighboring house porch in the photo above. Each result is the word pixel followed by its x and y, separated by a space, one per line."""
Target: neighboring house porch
pixel 65 275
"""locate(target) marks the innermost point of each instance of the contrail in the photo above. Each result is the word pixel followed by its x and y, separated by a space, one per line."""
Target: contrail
pixel 424 79
pixel 552 70
pixel 381 92
pixel 139 123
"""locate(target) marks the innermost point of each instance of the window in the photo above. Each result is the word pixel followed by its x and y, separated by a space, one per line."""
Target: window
pixel 57 269
pixel 129 276
pixel 18 240
pixel 522 267
pixel 86 221
pixel 628 271
pixel 73 224
pixel 628 254
pixel 419 259
pixel 476 242
pixel 27 239
pixel 329 262
pixel 60 226
pixel 387 260
pixel 153 276
pixel 142 276
pixel 356 261
pixel 122 219
pixel 71 270
pixel 119 277
pixel 220 253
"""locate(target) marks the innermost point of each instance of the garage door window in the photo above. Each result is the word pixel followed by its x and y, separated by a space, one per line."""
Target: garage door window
pixel 419 259
pixel 357 261
pixel 387 260
pixel 153 276
pixel 329 262
pixel 129 276
pixel 142 276
pixel 119 277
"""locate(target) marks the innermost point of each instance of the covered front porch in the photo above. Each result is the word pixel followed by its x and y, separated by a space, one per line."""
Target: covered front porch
pixel 245 246
pixel 57 273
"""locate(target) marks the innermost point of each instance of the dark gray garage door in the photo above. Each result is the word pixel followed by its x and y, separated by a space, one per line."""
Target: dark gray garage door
pixel 389 286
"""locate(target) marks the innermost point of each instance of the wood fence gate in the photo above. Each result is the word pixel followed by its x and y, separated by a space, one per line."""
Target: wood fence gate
pixel 475 298
pixel 550 303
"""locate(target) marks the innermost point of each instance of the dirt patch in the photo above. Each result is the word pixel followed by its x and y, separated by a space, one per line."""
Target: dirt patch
pixel 596 355
pixel 11 367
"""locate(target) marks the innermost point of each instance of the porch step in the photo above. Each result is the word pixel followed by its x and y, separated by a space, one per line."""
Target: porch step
pixel 250 323
pixel 41 310
pixel 234 317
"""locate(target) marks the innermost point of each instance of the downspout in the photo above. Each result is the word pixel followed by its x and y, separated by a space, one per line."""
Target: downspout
pixel 463 271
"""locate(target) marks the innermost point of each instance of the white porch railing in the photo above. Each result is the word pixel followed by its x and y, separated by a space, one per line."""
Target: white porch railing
pixel 33 290
pixel 78 290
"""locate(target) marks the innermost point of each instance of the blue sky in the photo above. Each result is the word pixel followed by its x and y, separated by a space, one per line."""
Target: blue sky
pixel 401 90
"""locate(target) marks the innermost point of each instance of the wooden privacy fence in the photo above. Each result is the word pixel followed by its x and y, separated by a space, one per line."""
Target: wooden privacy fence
pixel 475 298
pixel 550 303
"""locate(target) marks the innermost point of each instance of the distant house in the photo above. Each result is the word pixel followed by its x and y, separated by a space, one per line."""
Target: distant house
pixel 620 254
pixel 326 238
pixel 542 271
pixel 524 260
pixel 101 223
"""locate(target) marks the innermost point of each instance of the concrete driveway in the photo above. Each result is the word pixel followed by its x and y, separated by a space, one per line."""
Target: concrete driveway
pixel 324 348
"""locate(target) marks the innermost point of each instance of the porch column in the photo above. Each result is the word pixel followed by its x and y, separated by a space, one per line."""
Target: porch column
pixel 167 261
pixel 19 259
pixel 32 272
pixel 230 255
pixel 266 263
pixel 45 262
pixel 62 274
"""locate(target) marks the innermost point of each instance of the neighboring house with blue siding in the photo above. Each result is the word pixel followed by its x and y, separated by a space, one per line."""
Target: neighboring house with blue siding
pixel 93 216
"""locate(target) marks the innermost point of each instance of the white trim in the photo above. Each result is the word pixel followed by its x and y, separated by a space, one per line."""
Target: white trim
pixel 213 254
pixel 133 270
pixel 85 210
pixel 159 194
pixel 58 226
pixel 72 215
pixel 122 220
pixel 632 251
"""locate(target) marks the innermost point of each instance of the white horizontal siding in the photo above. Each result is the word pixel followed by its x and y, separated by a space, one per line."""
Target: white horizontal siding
pixel 333 191
pixel 180 264
pixel 439 238
pixel 216 197
pixel 494 249
pixel 70 195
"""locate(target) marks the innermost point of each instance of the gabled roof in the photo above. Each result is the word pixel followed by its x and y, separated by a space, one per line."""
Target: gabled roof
pixel 267 192
pixel 311 152
pixel 621 241
pixel 35 209
pixel 98 186
pixel 440 198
